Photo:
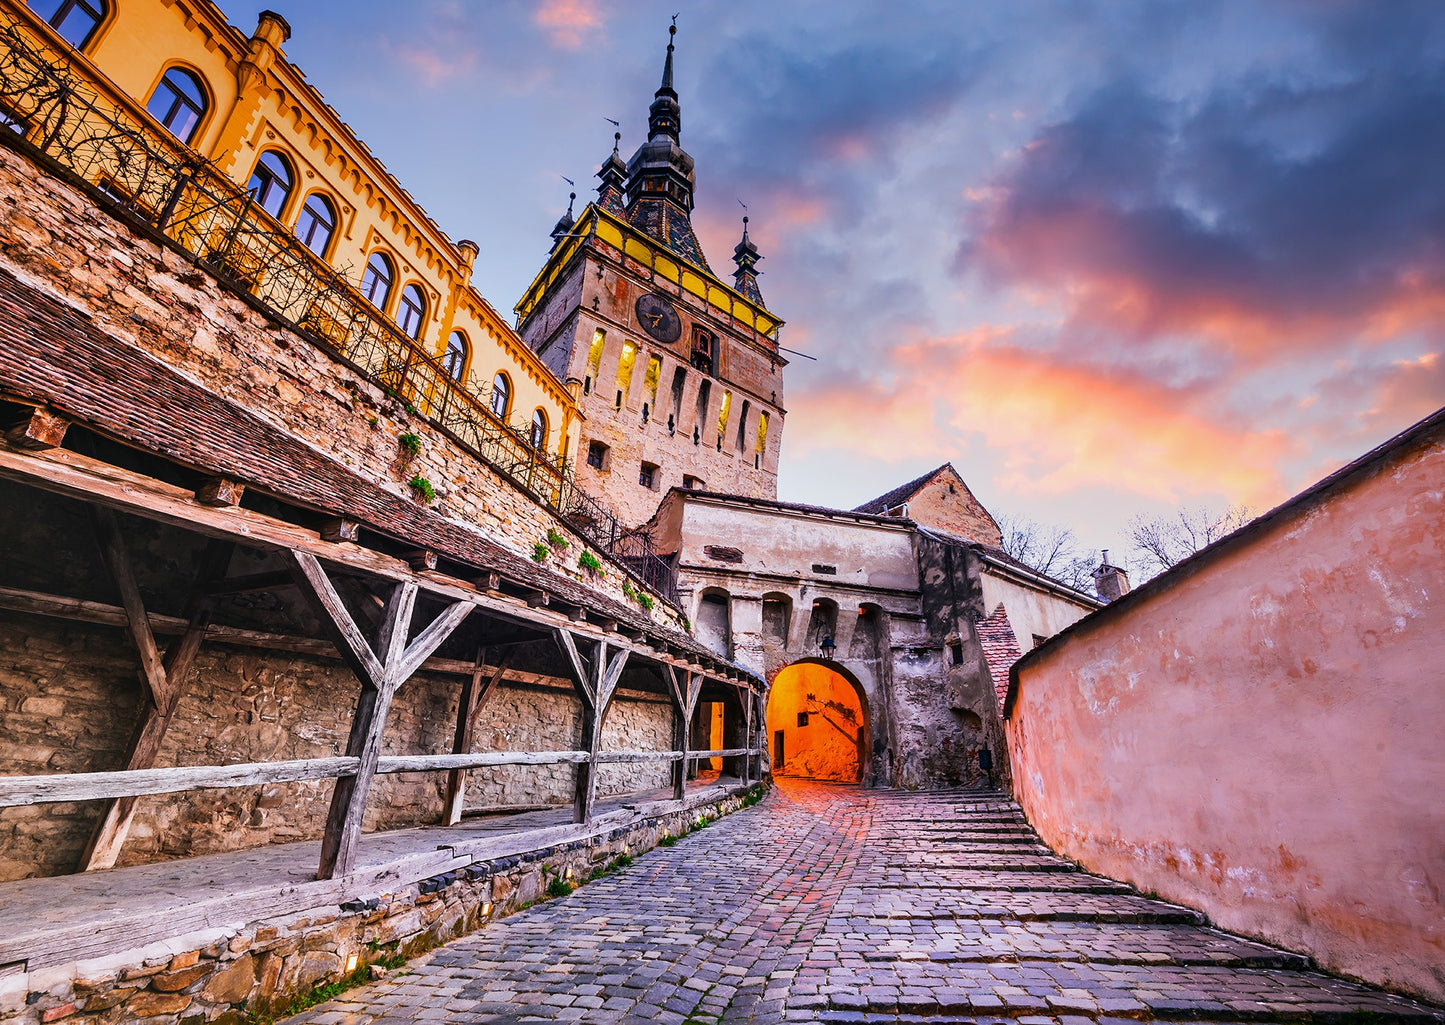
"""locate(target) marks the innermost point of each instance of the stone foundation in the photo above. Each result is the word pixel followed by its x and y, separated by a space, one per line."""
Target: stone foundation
pixel 223 975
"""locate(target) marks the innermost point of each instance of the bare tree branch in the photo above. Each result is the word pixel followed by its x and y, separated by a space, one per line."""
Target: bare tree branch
pixel 1162 541
pixel 1048 549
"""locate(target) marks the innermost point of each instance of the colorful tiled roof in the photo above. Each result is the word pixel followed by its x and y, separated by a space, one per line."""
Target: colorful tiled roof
pixel 668 224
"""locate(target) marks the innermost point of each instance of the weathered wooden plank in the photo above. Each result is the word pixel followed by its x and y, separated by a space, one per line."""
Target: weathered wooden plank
pixel 479 759
pixel 580 676
pixel 117 560
pixel 426 642
pixel 96 786
pixel 336 619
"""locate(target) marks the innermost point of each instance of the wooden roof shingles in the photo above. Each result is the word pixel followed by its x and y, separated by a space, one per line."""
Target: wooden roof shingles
pixel 53 354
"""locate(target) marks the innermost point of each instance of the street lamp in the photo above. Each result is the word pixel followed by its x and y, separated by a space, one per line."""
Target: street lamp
pixel 828 648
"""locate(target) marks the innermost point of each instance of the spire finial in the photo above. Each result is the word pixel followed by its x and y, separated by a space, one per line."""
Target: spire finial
pixel 746 256
pixel 667 66
pixel 616 141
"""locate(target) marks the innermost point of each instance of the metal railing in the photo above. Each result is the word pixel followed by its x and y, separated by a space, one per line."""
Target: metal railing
pixel 151 178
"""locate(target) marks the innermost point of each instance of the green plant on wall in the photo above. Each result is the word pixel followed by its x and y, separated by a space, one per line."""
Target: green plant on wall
pixel 423 488
pixel 540 551
pixel 411 443
pixel 590 563
pixel 556 540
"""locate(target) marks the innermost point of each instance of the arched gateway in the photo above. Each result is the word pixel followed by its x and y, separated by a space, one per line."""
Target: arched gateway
pixel 818 722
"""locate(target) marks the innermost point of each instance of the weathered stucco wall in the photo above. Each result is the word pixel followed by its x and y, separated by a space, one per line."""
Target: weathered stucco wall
pixel 1258 734
pixel 1030 611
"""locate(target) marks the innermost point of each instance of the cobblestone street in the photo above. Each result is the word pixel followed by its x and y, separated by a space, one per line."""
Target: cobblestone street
pixel 835 904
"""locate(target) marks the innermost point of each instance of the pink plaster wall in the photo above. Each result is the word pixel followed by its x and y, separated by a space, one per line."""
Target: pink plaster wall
pixel 1261 733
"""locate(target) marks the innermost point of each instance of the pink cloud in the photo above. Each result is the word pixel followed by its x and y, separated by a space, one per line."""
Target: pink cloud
pixel 568 22
pixel 1060 427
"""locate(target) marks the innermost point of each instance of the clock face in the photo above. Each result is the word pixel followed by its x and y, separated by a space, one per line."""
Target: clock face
pixel 657 317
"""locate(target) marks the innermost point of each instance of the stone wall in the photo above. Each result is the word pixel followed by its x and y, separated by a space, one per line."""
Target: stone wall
pixel 1256 733
pixel 146 294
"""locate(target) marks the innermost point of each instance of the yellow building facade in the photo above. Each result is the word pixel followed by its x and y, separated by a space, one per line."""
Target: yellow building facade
pixel 180 70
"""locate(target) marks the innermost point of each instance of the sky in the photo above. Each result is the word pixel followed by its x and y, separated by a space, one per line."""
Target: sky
pixel 1109 259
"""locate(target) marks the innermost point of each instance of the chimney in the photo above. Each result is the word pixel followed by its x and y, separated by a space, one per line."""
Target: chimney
pixel 1110 581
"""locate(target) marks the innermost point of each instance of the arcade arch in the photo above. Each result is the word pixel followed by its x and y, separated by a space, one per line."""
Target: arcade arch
pixel 818 723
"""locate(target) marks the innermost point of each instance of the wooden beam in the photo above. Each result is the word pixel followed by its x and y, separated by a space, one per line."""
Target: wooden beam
pixel 108 836
pixel 132 783
pixel 578 669
pixel 382 671
pixel 336 619
pixel 41 430
pixel 420 559
pixel 218 492
pixel 479 687
pixel 681 727
pixel 339 530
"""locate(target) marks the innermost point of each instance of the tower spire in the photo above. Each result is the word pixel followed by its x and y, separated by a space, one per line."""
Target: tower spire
pixel 746 257
pixel 665 115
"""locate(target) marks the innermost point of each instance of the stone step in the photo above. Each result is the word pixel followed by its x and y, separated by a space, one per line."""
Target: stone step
pixel 985 861
pixel 1055 989
pixel 1071 881
pixel 1095 943
pixel 1031 906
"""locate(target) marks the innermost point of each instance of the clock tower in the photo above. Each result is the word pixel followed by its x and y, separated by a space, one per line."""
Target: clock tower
pixel 678 372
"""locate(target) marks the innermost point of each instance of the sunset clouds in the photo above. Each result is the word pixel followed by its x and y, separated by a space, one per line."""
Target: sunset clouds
pixel 1106 258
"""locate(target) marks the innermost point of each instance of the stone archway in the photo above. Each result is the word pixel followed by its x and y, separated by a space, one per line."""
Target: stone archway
pixel 818 723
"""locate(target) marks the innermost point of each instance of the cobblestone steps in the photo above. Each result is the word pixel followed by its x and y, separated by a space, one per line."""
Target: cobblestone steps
pixel 827 904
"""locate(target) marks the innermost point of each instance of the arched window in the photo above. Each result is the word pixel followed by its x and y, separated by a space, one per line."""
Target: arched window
pixel 75 20
pixel 455 359
pixel 315 223
pixel 538 437
pixel 376 281
pixel 501 396
pixel 271 182
pixel 411 313
pixel 179 103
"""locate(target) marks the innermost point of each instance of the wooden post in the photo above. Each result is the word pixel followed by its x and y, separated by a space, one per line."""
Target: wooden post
pixel 475 692
pixel 684 701
pixel 161 678
pixel 596 684
pixel 381 672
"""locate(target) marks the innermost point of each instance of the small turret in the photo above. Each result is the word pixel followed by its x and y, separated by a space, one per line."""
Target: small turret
pixel 563 227
pixel 746 257
pixel 611 193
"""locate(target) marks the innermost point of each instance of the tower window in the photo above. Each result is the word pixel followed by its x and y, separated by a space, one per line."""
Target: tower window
pixel 597 455
pixel 594 353
pixel 704 351
pixel 649 381
pixel 179 103
pixel 692 483
pixel 75 20
pixel 647 477
pixel 316 223
pixel 270 183
pixel 625 364
pixel 722 416
pixel 743 426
